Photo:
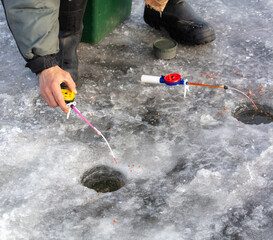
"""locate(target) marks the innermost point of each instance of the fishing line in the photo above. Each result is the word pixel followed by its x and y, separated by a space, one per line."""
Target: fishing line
pixel 69 99
pixel 235 89
pixel 96 130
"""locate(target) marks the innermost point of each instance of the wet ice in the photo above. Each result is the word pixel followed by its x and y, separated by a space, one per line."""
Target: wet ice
pixel 202 174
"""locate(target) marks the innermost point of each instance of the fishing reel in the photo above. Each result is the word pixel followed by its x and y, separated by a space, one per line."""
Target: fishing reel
pixel 69 97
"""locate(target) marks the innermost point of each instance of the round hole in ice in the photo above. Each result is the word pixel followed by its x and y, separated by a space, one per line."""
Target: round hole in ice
pixel 250 115
pixel 103 179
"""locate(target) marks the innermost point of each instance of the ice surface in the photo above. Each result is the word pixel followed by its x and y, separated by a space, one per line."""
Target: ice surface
pixel 198 173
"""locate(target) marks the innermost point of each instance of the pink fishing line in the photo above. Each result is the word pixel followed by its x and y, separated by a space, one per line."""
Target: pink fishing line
pixel 77 111
pixel 97 131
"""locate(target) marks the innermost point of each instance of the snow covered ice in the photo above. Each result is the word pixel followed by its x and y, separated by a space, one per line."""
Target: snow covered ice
pixel 193 170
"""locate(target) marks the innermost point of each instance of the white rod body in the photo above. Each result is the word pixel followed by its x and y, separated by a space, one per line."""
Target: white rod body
pixel 150 79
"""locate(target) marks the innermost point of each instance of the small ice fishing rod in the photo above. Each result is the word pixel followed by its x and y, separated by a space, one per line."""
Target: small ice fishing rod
pixel 173 79
pixel 69 97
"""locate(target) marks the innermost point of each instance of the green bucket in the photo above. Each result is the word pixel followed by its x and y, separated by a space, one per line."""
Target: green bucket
pixel 102 17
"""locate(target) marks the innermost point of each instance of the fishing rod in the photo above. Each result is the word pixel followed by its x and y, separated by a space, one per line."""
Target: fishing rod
pixel 69 97
pixel 173 79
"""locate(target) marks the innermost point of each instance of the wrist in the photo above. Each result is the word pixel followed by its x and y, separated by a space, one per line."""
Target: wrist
pixel 48 70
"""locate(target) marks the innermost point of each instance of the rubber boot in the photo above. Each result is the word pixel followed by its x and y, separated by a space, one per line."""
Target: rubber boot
pixel 181 22
pixel 71 26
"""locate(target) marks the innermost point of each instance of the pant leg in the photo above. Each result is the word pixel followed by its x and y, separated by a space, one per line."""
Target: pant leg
pixel 71 16
pixel 71 26
pixel 34 25
pixel 157 5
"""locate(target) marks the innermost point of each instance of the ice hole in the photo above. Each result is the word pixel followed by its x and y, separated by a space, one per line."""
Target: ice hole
pixel 250 115
pixel 103 179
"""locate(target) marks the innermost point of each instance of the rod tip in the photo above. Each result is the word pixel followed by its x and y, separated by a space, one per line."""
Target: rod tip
pixel 225 87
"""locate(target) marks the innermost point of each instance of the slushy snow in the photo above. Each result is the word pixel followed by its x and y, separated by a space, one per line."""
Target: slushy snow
pixel 198 172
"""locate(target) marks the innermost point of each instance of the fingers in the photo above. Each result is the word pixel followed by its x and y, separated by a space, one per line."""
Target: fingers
pixel 54 98
pixel 49 98
pixel 50 80
pixel 59 99
pixel 70 83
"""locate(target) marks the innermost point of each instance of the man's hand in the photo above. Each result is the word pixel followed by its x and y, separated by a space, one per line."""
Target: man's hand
pixel 50 80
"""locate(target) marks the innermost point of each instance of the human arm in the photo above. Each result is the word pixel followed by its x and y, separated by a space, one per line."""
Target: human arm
pixel 35 27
